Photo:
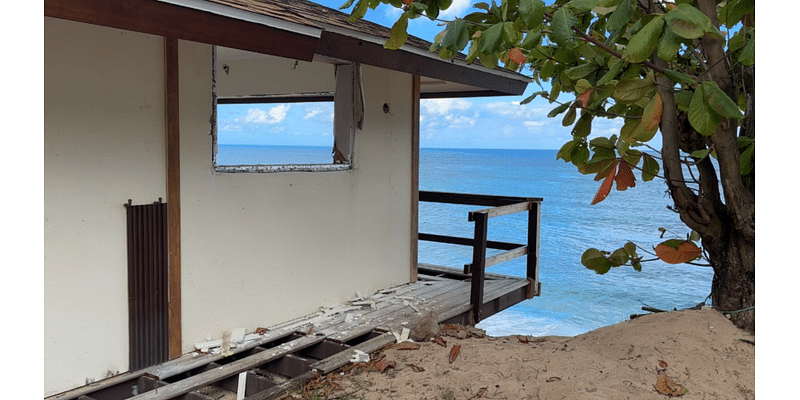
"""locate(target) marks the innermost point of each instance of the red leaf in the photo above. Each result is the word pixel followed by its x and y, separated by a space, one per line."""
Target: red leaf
pixel 677 252
pixel 516 56
pixel 584 97
pixel 625 178
pixel 605 188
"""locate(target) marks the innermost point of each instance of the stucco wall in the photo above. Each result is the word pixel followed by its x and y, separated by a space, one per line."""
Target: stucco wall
pixel 257 249
pixel 104 144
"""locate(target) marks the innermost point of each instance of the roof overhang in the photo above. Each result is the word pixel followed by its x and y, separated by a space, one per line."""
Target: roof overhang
pixel 267 31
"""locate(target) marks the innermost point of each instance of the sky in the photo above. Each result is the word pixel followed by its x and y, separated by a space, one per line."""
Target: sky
pixel 490 122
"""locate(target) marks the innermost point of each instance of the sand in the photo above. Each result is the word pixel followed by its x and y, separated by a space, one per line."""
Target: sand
pixel 699 350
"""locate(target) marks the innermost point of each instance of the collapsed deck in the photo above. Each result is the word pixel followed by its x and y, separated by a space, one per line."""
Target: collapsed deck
pixel 275 359
pixel 270 360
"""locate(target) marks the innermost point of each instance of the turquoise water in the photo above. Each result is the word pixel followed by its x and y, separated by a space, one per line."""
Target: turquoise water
pixel 574 299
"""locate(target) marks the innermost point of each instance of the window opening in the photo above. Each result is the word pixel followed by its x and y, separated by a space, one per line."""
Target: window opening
pixel 288 132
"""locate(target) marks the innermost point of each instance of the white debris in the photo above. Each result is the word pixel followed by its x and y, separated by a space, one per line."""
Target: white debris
pixel 402 336
pixel 359 356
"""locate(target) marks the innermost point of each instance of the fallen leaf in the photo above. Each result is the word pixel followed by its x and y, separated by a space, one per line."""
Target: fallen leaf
pixel 454 352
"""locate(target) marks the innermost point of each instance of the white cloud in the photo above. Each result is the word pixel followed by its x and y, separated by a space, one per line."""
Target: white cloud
pixel 445 106
pixel 532 125
pixel 274 115
pixel 312 113
pixel 457 9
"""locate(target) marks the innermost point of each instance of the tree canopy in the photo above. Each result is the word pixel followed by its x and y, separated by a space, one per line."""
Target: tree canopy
pixel 685 69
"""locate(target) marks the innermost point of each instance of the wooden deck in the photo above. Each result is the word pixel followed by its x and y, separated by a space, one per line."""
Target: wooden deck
pixel 289 353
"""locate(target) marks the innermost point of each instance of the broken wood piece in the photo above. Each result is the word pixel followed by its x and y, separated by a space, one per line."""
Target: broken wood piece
pixel 242 385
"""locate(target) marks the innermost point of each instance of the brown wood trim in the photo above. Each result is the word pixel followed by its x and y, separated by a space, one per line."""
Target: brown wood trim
pixel 415 113
pixel 168 20
pixel 368 53
pixel 173 166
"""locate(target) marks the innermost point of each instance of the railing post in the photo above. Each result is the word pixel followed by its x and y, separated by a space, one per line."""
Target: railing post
pixel 534 218
pixel 478 264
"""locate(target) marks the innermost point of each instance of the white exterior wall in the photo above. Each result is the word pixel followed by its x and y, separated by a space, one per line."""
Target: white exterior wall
pixel 257 249
pixel 104 144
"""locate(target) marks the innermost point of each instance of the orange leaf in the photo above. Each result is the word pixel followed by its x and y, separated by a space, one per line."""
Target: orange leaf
pixel 625 177
pixel 605 188
pixel 584 97
pixel 684 251
pixel 651 118
pixel 516 56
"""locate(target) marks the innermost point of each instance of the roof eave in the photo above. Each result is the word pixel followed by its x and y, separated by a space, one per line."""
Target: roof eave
pixel 221 25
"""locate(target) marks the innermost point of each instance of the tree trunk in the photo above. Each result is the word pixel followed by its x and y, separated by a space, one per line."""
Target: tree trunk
pixel 733 288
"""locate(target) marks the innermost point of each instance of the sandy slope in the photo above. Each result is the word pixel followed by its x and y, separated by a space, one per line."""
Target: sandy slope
pixel 702 350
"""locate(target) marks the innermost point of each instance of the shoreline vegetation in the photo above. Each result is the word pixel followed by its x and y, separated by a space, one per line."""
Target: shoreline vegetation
pixel 694 354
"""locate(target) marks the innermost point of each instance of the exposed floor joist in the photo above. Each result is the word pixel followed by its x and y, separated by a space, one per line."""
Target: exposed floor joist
pixel 295 351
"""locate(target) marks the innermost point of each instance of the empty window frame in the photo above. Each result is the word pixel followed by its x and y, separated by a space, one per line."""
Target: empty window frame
pixel 307 132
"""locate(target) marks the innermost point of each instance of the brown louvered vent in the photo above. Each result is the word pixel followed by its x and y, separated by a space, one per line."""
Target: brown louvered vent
pixel 147 284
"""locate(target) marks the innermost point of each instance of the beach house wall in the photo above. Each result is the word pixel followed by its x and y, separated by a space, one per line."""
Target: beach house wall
pixel 252 249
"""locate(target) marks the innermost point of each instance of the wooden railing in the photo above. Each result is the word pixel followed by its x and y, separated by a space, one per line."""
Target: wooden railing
pixel 499 206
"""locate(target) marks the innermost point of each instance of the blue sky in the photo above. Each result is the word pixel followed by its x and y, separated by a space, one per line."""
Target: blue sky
pixel 494 122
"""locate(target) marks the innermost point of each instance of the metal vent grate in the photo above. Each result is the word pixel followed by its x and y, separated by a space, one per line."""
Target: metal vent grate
pixel 147 284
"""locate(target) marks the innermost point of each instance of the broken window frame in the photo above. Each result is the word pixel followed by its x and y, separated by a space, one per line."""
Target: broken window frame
pixel 348 106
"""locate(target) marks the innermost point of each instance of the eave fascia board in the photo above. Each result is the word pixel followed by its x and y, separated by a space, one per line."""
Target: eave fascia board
pixel 425 53
pixel 170 20
pixel 369 51
pixel 243 15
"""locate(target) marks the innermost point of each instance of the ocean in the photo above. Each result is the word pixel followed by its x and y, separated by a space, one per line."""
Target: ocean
pixel 574 299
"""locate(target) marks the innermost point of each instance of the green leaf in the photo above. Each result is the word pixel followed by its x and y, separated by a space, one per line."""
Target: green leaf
pixel 569 117
pixel 558 110
pixel 682 99
pixel 595 260
pixel 565 152
pixel 699 154
pixel 748 54
pixel 679 77
pixel 650 167
pixel 688 22
pixel 612 73
pixel 621 16
pixel 668 46
pixel 581 70
pixel 702 119
pixel 532 97
pixel 598 166
pixel 581 5
pixel 511 34
pixel 644 42
pixel 631 90
pixel 532 13
pixel 562 23
pixel 747 160
pixel 456 35
pixel 532 39
pixel 491 39
pixel 399 33
pixel 481 6
pixel 583 127
pixel 619 257
pixel 580 154
pixel 719 102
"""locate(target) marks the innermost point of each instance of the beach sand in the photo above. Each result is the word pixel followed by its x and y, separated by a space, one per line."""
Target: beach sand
pixel 699 350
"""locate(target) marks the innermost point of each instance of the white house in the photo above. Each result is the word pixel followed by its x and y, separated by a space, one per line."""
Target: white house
pixel 130 94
